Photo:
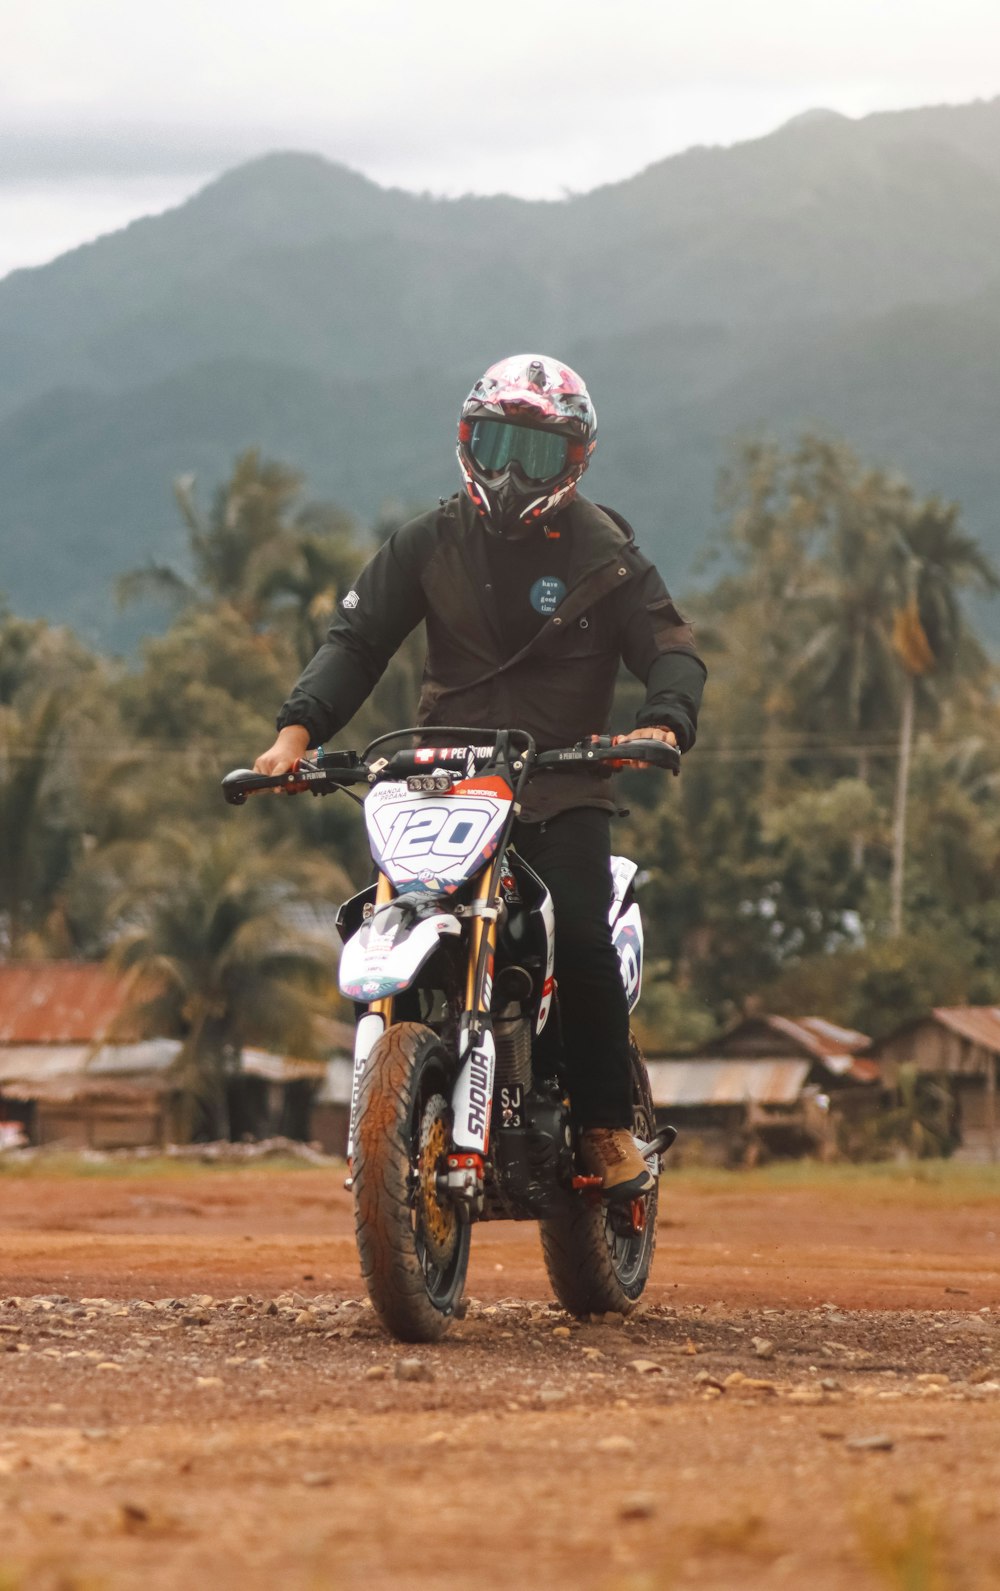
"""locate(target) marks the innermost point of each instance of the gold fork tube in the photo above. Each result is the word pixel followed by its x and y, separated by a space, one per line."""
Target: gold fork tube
pixel 384 893
pixel 480 926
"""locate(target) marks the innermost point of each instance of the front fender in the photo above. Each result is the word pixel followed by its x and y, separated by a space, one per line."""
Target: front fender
pixel 383 958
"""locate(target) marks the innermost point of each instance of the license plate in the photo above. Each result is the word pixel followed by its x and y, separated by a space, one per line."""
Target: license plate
pixel 511 1105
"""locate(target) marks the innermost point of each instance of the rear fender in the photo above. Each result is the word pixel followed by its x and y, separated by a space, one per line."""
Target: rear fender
pixel 628 941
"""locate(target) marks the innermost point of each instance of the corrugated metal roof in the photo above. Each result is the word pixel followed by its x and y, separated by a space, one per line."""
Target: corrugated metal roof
pixel 835 1048
pixel 727 1082
pixel 58 1002
pixel 828 1042
pixel 280 1068
pixel 64 1072
pixel 978 1023
pixel 30 1063
pixel 834 1038
pixel 30 1070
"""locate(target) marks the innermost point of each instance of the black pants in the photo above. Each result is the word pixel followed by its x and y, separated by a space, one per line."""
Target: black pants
pixel 572 853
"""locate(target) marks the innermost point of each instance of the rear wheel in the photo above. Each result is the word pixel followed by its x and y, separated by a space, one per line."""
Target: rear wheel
pixel 599 1255
pixel 414 1248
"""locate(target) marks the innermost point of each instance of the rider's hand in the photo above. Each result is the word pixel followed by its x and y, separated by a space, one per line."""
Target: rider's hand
pixel 291 744
pixel 651 732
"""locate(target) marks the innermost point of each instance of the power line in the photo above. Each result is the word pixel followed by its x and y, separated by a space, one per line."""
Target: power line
pixel 220 756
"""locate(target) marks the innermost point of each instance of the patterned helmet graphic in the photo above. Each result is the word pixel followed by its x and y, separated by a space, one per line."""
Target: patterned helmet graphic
pixel 525 437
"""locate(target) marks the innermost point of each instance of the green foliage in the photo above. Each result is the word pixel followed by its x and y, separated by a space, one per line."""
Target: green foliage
pixel 769 862
pixel 911 1554
pixel 209 938
pixel 770 865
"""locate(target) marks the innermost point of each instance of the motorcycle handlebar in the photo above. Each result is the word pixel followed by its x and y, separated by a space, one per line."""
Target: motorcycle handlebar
pixel 603 751
pixel 343 768
pixel 243 782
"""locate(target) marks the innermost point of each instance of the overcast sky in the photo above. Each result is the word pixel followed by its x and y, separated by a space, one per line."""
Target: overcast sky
pixel 111 109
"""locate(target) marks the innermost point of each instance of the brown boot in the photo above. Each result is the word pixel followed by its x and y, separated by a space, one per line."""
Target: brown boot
pixel 612 1154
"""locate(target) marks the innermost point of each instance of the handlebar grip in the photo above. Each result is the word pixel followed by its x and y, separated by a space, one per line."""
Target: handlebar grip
pixel 243 782
pixel 657 752
pixel 600 752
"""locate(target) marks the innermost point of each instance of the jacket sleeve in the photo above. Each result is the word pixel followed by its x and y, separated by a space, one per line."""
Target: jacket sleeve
pixel 659 649
pixel 373 620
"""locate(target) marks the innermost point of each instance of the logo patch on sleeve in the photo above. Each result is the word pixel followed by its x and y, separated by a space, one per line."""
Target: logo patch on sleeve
pixel 351 600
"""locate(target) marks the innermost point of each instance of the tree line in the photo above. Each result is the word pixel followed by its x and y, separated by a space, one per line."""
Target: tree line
pixel 832 847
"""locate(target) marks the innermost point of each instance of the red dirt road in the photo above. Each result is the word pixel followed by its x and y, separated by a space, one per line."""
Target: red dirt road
pixel 192 1392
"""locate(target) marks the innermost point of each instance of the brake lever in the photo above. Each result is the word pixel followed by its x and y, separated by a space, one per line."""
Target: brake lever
pixel 243 783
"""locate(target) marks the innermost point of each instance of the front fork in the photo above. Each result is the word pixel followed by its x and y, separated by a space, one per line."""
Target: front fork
pixel 368 1031
pixel 472 1097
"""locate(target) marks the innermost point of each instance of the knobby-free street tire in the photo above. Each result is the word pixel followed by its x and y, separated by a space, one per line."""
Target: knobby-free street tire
pixel 595 1261
pixel 414 1248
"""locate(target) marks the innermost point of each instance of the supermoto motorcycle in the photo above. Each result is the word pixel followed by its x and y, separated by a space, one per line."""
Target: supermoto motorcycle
pixel 460 1107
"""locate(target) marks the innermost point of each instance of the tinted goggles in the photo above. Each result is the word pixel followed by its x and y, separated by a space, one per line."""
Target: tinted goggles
pixel 495 445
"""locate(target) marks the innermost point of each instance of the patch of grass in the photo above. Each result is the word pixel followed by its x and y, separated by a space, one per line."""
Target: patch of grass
pixel 742 1532
pixel 69 1165
pixel 56 1578
pixel 911 1557
pixel 661 1579
pixel 924 1183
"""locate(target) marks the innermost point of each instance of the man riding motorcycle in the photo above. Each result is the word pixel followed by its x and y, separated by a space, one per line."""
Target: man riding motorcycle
pixel 532 596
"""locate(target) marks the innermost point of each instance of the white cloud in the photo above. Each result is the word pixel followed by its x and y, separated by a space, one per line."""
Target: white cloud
pixel 528 96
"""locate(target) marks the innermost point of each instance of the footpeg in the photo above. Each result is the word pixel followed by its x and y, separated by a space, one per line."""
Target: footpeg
pixel 660 1144
pixel 587 1184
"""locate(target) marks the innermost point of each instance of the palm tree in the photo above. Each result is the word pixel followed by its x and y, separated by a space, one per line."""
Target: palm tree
pixel 215 957
pixel 931 638
pixel 310 569
pixel 769 534
pixel 254 552
pixel 845 671
pixel 35 844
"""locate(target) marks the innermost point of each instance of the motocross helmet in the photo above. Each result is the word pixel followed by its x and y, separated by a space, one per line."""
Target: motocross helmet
pixel 525 436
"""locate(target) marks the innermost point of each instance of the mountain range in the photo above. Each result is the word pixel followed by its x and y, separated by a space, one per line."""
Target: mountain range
pixel 838 274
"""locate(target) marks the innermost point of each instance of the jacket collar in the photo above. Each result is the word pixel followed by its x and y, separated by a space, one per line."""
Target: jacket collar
pixel 595 538
pixel 595 566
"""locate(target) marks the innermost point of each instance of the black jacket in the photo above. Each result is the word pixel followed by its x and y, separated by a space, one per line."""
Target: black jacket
pixel 559 687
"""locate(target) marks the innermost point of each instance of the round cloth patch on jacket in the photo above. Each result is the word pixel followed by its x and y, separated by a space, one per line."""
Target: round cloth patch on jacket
pixel 546 594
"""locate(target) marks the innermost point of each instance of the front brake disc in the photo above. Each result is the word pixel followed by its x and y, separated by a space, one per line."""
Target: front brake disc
pixel 437 1217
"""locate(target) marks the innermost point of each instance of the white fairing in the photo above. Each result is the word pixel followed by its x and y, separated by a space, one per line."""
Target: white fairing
pixel 628 941
pixel 472 1098
pixel 549 919
pixel 387 952
pixel 433 841
pixel 367 1033
pixel 622 873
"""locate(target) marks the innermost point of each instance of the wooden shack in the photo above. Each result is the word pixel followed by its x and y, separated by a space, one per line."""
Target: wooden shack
pixel 959 1046
pixel 70 1070
pixel 73 1071
pixel 768 1086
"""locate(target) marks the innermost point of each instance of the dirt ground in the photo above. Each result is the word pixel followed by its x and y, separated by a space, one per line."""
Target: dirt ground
pixel 194 1393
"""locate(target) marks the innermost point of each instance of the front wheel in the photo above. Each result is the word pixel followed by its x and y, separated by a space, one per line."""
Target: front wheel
pixel 414 1249
pixel 597 1255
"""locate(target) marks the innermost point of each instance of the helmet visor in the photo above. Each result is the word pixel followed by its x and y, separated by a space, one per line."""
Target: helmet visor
pixel 495 444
